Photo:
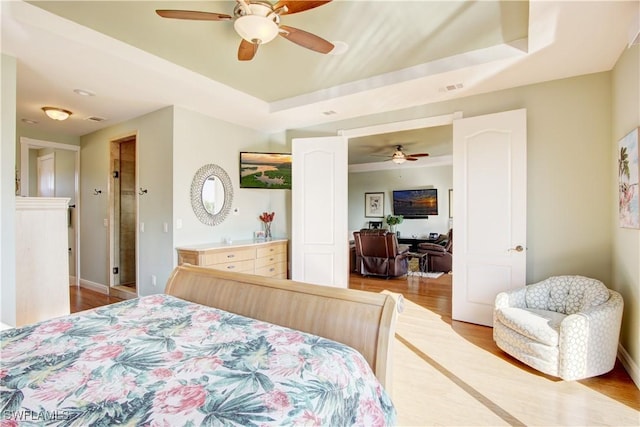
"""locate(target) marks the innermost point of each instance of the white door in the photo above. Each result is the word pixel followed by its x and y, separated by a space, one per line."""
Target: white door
pixel 319 243
pixel 46 176
pixel 489 234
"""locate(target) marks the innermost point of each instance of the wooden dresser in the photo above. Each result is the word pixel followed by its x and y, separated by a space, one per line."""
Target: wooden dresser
pixel 267 258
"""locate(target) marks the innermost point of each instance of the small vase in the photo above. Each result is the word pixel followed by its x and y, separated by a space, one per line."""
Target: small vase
pixel 267 230
pixel 392 228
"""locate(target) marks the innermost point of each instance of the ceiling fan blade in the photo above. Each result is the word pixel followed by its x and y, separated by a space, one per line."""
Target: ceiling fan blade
pixel 247 50
pixel 298 6
pixel 193 15
pixel 411 159
pixel 418 155
pixel 305 39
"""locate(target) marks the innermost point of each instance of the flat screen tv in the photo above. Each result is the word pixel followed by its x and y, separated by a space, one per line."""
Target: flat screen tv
pixel 415 203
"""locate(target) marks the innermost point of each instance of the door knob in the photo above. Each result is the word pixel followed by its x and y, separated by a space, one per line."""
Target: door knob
pixel 518 248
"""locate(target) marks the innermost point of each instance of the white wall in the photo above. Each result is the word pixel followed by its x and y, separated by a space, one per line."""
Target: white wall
pixel 439 177
pixel 155 172
pixel 200 140
pixel 173 143
pixel 625 253
pixel 8 81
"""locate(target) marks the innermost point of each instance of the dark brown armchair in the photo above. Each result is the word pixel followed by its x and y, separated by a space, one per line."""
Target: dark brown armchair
pixel 439 255
pixel 378 253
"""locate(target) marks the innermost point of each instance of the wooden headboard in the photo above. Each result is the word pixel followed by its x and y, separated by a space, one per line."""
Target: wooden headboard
pixel 362 320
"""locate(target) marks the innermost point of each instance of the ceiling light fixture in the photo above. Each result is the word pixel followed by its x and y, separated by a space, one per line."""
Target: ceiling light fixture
pixel 256 29
pixel 84 92
pixel 57 113
pixel 256 22
pixel 398 160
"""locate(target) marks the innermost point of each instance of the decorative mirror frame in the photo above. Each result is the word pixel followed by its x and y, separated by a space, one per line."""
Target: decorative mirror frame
pixel 197 185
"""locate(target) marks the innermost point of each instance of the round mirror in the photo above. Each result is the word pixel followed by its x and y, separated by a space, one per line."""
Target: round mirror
pixel 211 194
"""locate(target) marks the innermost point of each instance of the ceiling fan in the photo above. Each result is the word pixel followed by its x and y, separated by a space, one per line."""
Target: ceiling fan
pixel 258 22
pixel 399 156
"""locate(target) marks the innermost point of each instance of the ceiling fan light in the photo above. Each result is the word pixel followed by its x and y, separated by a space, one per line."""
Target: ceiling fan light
pixel 398 160
pixel 256 29
pixel 56 113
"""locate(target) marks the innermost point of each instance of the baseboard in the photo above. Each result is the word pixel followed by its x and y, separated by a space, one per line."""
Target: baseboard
pixel 103 289
pixel 72 280
pixel 629 365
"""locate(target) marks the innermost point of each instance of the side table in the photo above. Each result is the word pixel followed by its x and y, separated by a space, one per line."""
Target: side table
pixel 417 263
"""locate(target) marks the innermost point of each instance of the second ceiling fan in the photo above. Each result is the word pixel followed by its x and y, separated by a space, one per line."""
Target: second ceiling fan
pixel 258 22
pixel 399 156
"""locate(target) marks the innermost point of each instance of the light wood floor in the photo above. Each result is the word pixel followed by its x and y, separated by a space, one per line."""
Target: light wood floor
pixel 449 373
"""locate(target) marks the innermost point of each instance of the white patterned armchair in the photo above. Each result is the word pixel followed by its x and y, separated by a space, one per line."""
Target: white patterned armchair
pixel 564 326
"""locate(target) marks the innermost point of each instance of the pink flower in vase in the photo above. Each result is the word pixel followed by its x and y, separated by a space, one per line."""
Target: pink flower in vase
pixel 267 218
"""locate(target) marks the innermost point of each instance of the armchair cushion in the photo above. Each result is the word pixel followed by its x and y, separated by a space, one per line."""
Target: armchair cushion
pixel 434 248
pixel 567 294
pixel 538 325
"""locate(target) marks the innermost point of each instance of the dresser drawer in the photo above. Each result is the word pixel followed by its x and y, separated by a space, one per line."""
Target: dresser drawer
pixel 245 266
pixel 276 248
pixel 272 270
pixel 262 258
pixel 188 257
pixel 226 256
pixel 270 259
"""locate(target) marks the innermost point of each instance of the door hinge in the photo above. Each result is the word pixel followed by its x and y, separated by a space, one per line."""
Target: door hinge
pixel 115 270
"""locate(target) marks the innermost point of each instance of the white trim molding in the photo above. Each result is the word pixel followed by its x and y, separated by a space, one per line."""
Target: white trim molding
pixel 98 287
pixel 629 365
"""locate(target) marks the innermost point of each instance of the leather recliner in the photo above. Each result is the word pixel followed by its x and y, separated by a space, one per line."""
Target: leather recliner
pixel 439 255
pixel 379 254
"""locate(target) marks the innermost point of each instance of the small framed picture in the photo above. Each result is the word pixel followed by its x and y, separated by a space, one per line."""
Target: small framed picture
pixel 374 205
pixel 258 235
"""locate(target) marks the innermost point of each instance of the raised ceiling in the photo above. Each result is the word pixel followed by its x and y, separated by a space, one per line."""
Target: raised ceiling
pixel 401 54
pixel 382 37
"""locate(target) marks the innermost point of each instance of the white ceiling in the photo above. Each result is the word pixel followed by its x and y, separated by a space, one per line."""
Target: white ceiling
pixel 401 54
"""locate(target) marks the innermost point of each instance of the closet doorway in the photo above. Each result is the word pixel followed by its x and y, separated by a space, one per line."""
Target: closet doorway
pixel 123 199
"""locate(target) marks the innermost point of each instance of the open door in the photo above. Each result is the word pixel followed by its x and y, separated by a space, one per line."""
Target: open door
pixel 490 182
pixel 319 243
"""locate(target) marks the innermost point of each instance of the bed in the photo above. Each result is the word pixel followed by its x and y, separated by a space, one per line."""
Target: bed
pixel 217 348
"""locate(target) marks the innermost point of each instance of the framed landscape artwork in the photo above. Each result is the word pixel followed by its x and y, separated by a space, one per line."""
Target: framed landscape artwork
pixel 374 205
pixel 628 177
pixel 265 170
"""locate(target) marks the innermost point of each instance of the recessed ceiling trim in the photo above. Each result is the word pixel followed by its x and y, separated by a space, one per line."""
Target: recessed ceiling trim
pixel 426 122
pixel 440 66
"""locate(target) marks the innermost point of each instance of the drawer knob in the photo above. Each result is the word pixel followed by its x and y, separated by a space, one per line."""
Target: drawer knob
pixel 230 256
pixel 231 267
pixel 272 269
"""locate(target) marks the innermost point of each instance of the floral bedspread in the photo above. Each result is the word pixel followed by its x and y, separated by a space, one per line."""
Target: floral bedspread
pixel 162 361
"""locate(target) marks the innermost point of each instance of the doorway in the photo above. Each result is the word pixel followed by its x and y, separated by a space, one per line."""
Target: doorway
pixel 60 165
pixel 123 217
pixel 46 171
